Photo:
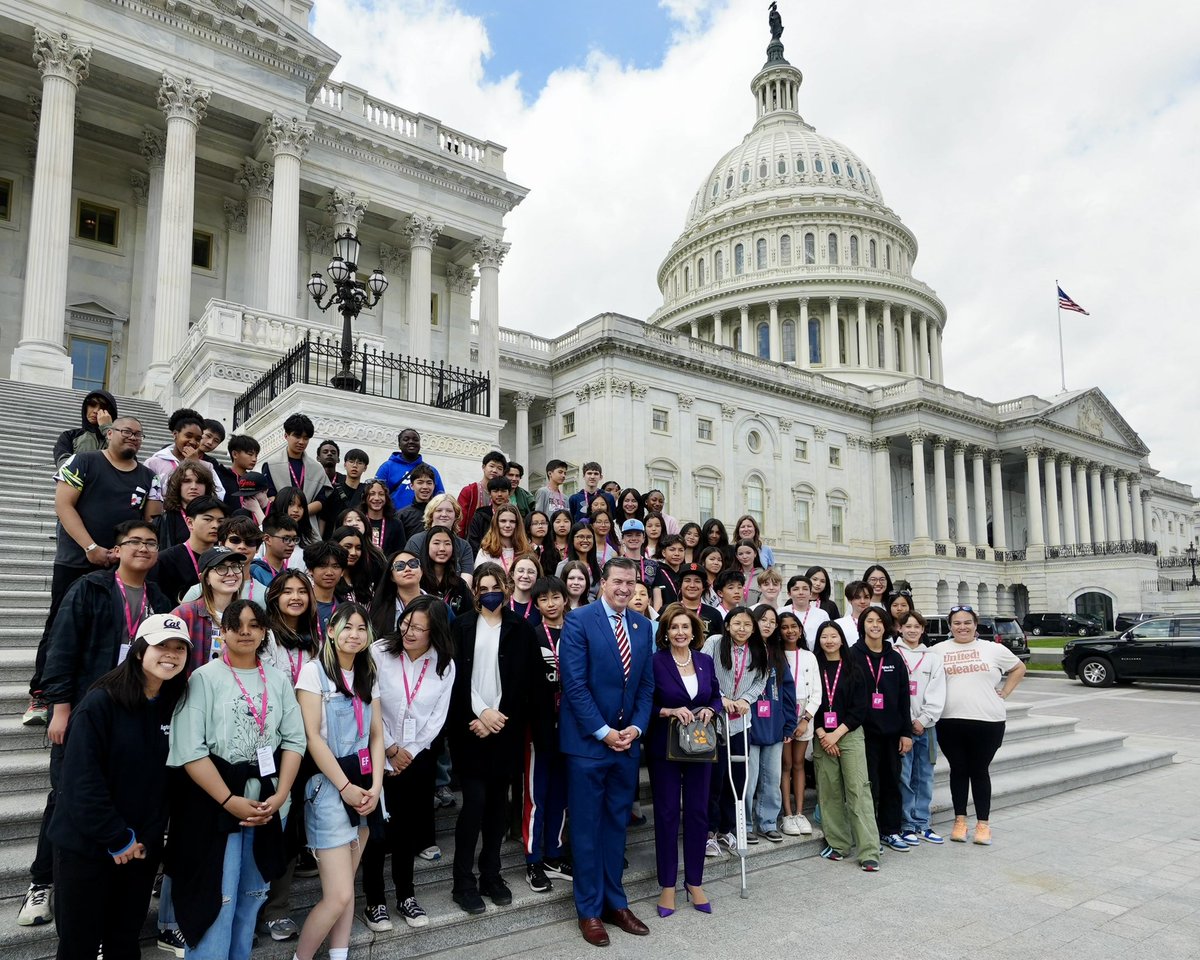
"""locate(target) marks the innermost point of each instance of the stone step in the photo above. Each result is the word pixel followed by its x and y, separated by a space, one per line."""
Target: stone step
pixel 14 617
pixel 24 771
pixel 22 637
pixel 14 737
pixel 16 665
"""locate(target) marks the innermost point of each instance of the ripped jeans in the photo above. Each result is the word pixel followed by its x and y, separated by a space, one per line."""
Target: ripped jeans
pixel 243 892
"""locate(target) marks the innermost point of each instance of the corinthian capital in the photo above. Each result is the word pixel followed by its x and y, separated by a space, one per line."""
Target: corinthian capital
pixel 153 147
pixel 489 252
pixel 182 98
pixel 57 55
pixel 288 136
pixel 345 206
pixel 422 231
pixel 257 178
pixel 461 277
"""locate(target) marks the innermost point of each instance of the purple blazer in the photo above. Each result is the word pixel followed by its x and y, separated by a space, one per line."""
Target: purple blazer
pixel 670 692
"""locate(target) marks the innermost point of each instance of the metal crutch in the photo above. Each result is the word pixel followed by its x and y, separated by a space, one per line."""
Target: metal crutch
pixel 739 798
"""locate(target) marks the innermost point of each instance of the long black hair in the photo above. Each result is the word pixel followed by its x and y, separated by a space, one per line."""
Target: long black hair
pixel 774 643
pixel 279 508
pixel 866 578
pixel 722 543
pixel 851 666
pixel 126 683
pixel 440 640
pixel 827 603
pixel 364 574
pixel 758 649
pixel 889 625
pixel 383 604
pixel 364 662
pixel 307 637
pixel 588 558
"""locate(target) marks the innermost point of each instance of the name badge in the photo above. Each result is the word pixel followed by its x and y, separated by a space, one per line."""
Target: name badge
pixel 123 653
pixel 764 708
pixel 364 760
pixel 912 688
pixel 214 652
pixel 409 731
pixel 266 761
pixel 877 701
pixel 830 720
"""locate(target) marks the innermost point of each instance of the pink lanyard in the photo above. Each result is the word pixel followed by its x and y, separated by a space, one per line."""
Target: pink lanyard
pixel 877 674
pixel 509 562
pixel 377 536
pixel 408 696
pixel 526 608
pixel 553 646
pixel 129 623
pixel 831 692
pixel 911 670
pixel 357 702
pixel 261 720
pixel 296 483
pixel 739 668
pixel 192 555
pixel 295 666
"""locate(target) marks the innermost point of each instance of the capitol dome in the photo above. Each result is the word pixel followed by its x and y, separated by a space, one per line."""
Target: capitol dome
pixel 789 252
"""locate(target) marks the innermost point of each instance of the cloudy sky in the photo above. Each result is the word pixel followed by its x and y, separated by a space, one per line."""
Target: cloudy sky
pixel 1023 141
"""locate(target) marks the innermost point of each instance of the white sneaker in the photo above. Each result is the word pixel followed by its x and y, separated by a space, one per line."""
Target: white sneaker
pixel 729 840
pixel 712 848
pixel 803 827
pixel 431 853
pixel 35 908
pixel 790 827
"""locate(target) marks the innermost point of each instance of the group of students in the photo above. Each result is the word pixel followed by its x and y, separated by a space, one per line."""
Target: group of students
pixel 302 667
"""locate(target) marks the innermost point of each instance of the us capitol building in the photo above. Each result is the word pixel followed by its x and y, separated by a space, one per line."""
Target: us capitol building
pixel 171 172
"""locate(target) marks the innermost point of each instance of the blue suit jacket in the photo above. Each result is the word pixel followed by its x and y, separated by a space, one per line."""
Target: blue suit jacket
pixel 595 692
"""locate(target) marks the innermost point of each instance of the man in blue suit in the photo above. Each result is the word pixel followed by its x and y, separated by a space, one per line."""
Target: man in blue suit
pixel 606 666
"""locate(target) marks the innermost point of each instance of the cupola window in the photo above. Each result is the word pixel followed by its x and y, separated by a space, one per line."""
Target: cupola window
pixel 810 248
pixel 739 260
pixel 850 170
pixel 833 247
pixel 760 254
pixel 872 252
pixel 746 173
pixel 719 265
pixel 853 250
pixel 762 170
pixel 837 169
pixel 781 166
pixel 785 250
pixel 729 180
pixel 819 165
pixel 800 167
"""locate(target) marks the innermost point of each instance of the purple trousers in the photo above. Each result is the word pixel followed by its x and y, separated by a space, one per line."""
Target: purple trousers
pixel 680 787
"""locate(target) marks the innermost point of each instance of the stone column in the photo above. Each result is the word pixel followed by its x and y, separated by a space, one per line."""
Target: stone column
pixel 693 332
pixel 907 346
pixel 920 503
pixel 776 336
pixel 941 503
pixel 288 139
pixel 999 516
pixel 1125 514
pixel 978 482
pixel 489 254
pixel 141 324
pixel 40 356
pixel 1099 534
pixel 936 347
pixel 860 330
pixel 1033 496
pixel 258 179
pixel 882 453
pixel 1068 502
pixel 1053 537
pixel 1145 510
pixel 522 403
pixel 422 234
pixel 962 518
pixel 834 359
pixel 924 346
pixel 1112 522
pixel 1135 492
pixel 803 356
pixel 718 338
pixel 888 361
pixel 1081 501
pixel 185 105
pixel 748 343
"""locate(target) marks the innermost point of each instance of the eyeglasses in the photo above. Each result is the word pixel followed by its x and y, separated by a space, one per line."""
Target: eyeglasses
pixel 237 541
pixel 128 434
pixel 410 627
pixel 151 545
pixel 963 608
pixel 877 580
pixel 400 565
pixel 225 569
pixel 290 541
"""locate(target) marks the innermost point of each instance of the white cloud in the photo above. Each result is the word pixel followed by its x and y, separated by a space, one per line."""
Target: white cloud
pixel 1023 142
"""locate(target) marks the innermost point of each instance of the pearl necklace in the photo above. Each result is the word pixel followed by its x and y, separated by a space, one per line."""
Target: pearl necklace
pixel 685 662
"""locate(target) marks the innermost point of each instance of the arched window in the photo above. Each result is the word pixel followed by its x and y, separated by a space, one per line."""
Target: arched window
pixel 850 170
pixel 819 165
pixel 729 180
pixel 836 168
pixel 853 250
pixel 781 166
pixel 810 248
pixel 814 340
pixel 719 265
pixel 833 248
pixel 700 272
pixel 800 166
pixel 739 260
pixel 763 336
pixel 755 498
pixel 687 280
pixel 887 256
pixel 788 332
pixel 716 188
pixel 785 250
pixel 762 170
pixel 873 254
pixel 745 173
pixel 760 254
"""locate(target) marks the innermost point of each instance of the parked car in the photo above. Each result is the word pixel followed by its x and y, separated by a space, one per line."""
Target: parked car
pixel 937 629
pixel 1061 625
pixel 1005 630
pixel 1127 620
pixel 1165 648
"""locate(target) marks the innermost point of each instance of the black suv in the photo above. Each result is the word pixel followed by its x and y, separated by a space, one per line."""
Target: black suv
pixel 1061 625
pixel 1007 631
pixel 1166 649
pixel 1127 620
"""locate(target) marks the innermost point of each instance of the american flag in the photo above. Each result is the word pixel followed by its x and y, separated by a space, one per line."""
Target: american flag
pixel 1066 303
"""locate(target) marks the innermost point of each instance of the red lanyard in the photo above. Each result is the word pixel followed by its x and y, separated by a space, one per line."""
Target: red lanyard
pixel 739 668
pixel 526 608
pixel 831 692
pixel 408 696
pixel 296 483
pixel 261 720
pixel 195 564
pixel 357 703
pixel 130 625
pixel 911 670
pixel 877 674
pixel 553 646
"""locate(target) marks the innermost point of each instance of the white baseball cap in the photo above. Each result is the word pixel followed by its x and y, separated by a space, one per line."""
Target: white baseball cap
pixel 163 627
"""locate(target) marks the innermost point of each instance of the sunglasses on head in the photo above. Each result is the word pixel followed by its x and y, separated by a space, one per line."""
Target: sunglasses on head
pixel 963 608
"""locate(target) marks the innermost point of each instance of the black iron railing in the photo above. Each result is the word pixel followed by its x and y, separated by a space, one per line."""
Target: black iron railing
pixel 1105 548
pixel 1174 562
pixel 898 550
pixel 315 361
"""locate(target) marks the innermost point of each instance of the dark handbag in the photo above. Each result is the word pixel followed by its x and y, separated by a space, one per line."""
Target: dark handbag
pixel 694 742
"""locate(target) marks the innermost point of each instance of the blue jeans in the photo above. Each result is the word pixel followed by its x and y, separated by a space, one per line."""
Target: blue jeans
pixel 763 796
pixel 243 892
pixel 916 785
pixel 166 909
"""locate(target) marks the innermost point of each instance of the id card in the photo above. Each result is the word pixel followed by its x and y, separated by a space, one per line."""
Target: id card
pixel 123 653
pixel 830 720
pixel 912 688
pixel 408 732
pixel 364 760
pixel 877 701
pixel 763 707
pixel 266 761
pixel 214 652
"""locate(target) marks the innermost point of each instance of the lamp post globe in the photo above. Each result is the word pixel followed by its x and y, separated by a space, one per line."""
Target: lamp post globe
pixel 350 295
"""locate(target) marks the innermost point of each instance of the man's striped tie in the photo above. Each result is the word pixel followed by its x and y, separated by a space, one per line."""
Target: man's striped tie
pixel 622 644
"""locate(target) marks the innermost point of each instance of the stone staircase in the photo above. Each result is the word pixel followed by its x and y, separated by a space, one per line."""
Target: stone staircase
pixel 1041 755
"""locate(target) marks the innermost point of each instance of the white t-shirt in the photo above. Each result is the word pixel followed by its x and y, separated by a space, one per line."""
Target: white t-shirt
pixel 849 627
pixel 811 619
pixel 974 672
pixel 310 681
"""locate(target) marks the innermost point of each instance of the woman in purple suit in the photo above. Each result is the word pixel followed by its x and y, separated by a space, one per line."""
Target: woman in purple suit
pixel 685 688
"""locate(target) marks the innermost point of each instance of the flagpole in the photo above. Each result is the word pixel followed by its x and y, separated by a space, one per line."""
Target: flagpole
pixel 1062 363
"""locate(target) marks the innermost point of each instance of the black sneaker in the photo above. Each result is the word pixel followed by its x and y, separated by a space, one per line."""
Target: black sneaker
pixel 172 942
pixel 470 901
pixel 412 913
pixel 377 919
pixel 496 890
pixel 558 869
pixel 751 838
pixel 830 854
pixel 536 877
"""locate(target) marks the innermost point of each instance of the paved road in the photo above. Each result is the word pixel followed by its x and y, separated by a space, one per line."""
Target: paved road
pixel 1111 870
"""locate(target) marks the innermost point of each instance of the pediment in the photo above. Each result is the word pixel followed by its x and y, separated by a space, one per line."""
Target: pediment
pixel 1090 413
pixel 94 308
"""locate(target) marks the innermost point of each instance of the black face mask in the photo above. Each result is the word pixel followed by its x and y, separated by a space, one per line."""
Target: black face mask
pixel 491 600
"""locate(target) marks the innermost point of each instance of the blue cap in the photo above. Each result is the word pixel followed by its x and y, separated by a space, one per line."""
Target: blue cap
pixel 632 526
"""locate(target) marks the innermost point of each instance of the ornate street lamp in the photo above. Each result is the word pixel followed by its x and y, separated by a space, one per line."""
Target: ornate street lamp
pixel 1190 553
pixel 350 294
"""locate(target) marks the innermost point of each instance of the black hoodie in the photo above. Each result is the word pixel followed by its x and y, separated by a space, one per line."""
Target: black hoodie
pixel 88 437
